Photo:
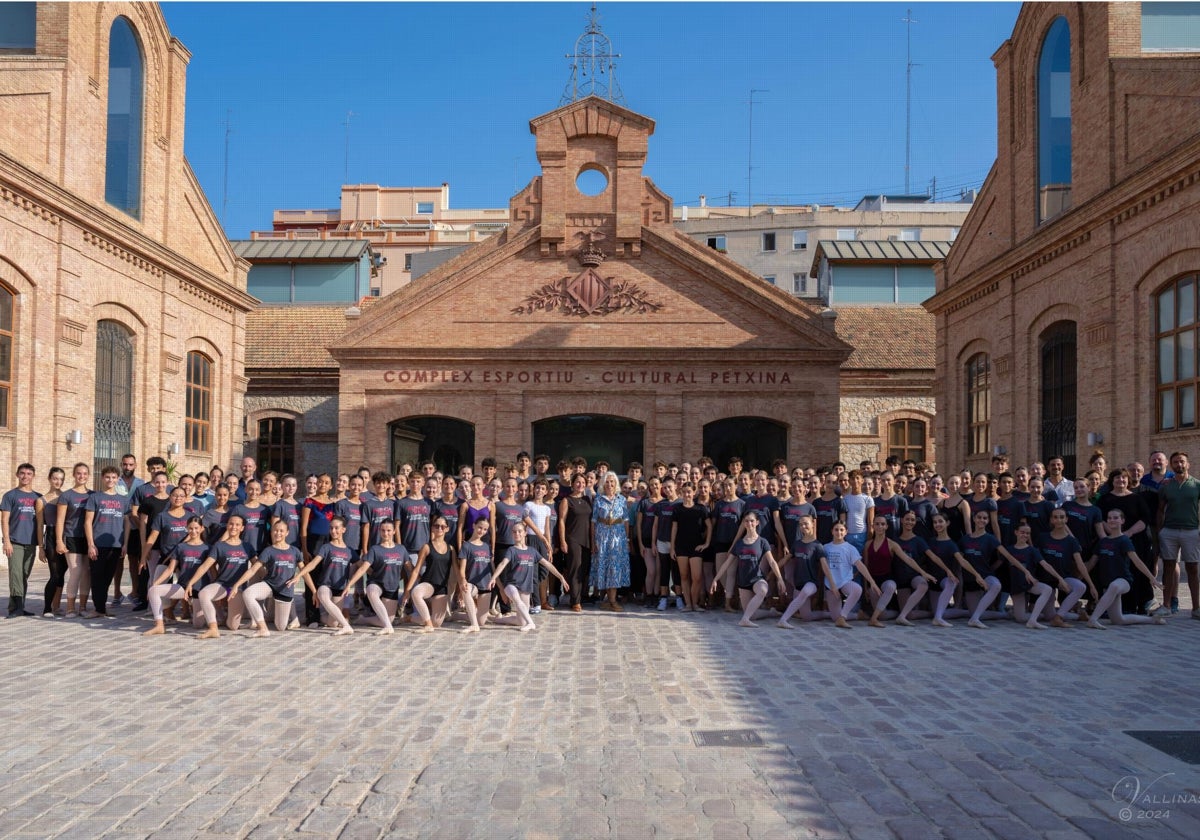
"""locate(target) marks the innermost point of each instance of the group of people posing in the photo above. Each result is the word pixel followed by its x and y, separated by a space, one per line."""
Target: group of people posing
pixel 512 541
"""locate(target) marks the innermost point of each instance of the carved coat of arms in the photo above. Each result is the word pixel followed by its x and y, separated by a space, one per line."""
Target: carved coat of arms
pixel 588 292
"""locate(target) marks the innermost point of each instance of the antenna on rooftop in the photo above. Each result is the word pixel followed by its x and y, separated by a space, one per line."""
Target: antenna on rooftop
pixel 750 156
pixel 225 170
pixel 346 167
pixel 908 22
pixel 593 71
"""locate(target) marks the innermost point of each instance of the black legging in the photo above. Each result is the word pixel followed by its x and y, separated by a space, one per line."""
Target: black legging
pixel 58 574
pixel 665 566
pixel 579 565
pixel 103 568
pixel 1141 590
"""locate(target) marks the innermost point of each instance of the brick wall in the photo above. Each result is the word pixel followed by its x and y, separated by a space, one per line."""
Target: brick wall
pixel 1133 227
pixel 169 276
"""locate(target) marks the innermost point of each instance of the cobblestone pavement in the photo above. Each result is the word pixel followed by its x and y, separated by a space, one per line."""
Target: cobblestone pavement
pixel 584 729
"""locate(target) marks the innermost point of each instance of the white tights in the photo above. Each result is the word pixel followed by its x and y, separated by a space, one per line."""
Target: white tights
pixel 385 608
pixel 943 599
pixel 833 599
pixel 214 592
pixel 753 599
pixel 79 579
pixel 255 592
pixel 802 603
pixel 333 611
pixel 1077 590
pixel 164 592
pixel 476 605
pixel 885 596
pixel 520 603
pixel 984 600
pixel 1044 592
pixel 1110 602
pixel 920 588
pixel 431 608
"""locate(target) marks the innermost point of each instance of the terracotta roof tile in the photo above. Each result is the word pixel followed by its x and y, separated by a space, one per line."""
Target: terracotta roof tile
pixel 297 335
pixel 887 337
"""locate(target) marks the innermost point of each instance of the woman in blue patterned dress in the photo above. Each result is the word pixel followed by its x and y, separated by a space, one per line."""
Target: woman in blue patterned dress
pixel 610 541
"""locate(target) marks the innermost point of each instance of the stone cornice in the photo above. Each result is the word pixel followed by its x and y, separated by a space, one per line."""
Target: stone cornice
pixel 351 356
pixel 25 188
pixel 23 202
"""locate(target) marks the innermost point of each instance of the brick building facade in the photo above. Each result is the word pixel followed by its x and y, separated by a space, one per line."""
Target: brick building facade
pixel 589 309
pixel 122 305
pixel 1066 307
pixel 590 326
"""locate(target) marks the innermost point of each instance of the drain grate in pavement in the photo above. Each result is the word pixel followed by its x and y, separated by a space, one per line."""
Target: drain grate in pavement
pixel 1184 746
pixel 727 738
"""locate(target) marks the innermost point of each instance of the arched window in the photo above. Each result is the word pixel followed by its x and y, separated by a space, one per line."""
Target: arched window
pixel 594 437
pixel 1176 341
pixel 906 440
pixel 979 404
pixel 1054 121
pixel 123 150
pixel 756 440
pixel 447 441
pixel 114 393
pixel 1060 375
pixel 197 430
pixel 276 445
pixel 6 356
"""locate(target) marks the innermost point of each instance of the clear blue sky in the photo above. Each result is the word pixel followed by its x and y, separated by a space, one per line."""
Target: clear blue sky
pixel 444 92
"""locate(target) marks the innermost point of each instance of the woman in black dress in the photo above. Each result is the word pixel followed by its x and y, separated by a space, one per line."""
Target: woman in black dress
pixel 575 539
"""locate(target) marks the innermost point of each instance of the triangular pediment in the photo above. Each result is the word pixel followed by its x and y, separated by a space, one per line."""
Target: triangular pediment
pixel 593 115
pixel 675 298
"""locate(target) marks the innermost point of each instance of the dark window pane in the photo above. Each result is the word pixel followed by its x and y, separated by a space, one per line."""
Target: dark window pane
pixel 18 27
pixel 916 433
pixel 123 147
pixel 1166 310
pixel 756 440
pixel 1054 121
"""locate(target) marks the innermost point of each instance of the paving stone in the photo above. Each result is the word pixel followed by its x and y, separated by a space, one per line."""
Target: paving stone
pixel 596 740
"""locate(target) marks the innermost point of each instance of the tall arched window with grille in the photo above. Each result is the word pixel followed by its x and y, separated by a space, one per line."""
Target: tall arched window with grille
pixel 198 424
pixel 1059 404
pixel 979 404
pixel 114 393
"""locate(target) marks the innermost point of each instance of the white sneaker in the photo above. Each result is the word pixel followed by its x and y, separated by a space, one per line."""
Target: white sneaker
pixel 118 600
pixel 662 604
pixel 1163 610
pixel 679 604
pixel 535 609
